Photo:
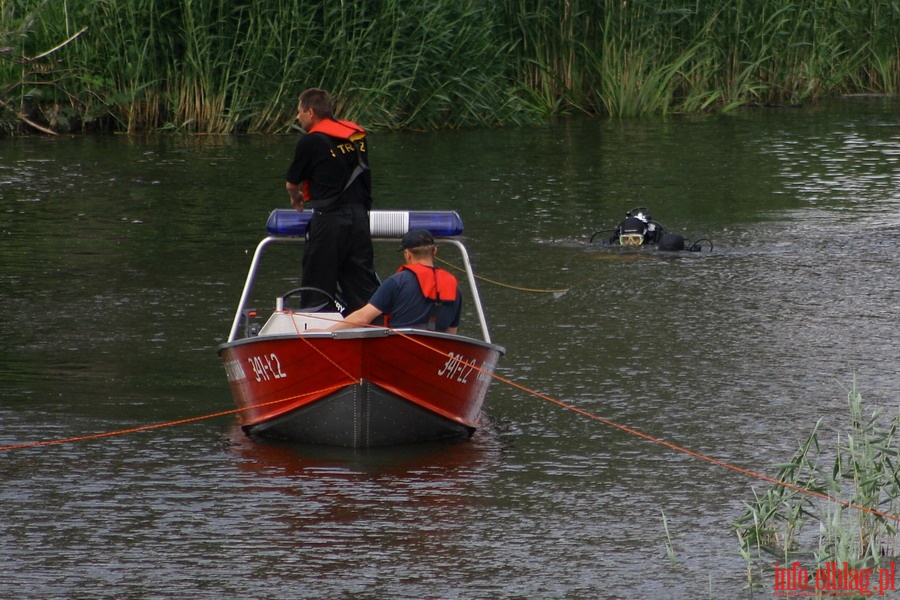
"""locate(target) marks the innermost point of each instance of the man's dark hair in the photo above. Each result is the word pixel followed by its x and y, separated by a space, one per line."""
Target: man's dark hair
pixel 319 101
pixel 422 251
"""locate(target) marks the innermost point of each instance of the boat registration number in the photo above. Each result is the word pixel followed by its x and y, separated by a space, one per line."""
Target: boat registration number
pixel 266 367
pixel 457 368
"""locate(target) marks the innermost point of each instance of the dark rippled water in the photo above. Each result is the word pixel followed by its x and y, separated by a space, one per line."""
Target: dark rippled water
pixel 122 260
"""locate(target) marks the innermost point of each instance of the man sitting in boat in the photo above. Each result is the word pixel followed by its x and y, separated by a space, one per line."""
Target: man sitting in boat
pixel 418 295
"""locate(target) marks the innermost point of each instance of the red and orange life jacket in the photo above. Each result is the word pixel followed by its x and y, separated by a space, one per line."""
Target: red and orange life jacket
pixel 346 130
pixel 436 284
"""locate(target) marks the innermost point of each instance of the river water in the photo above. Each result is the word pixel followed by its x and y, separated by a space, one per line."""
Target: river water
pixel 123 259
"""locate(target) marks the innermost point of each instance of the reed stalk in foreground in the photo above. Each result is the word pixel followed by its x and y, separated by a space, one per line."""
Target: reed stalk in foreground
pixel 670 545
pixel 863 469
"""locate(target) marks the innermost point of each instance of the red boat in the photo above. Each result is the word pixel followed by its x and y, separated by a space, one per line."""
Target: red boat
pixel 360 387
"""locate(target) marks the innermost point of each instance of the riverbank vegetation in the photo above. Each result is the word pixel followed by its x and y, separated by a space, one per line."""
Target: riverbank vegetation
pixel 238 66
pixel 787 526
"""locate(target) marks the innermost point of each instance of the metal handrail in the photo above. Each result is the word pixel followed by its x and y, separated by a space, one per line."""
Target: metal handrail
pixel 257 258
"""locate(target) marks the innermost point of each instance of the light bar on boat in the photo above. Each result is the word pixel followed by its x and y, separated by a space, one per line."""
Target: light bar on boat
pixel 383 223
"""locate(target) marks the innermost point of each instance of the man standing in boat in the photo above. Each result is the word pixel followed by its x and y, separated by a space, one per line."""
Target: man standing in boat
pixel 418 295
pixel 330 175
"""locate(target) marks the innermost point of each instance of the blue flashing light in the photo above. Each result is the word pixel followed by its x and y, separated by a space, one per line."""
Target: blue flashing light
pixel 441 223
pixel 286 221
pixel 383 223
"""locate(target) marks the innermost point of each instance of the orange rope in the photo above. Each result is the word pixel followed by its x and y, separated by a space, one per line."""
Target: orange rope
pixel 699 455
pixel 676 447
pixel 626 429
pixel 95 436
pixel 321 353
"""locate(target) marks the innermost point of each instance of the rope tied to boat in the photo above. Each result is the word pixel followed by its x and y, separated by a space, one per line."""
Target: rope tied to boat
pixel 558 292
pixel 672 446
pixel 321 353
pixel 629 430
pixel 106 434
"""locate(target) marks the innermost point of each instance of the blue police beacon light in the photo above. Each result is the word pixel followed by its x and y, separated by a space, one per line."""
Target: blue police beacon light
pixel 383 223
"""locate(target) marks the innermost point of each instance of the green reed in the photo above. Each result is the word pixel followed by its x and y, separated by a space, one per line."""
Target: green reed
pixel 670 544
pixel 861 467
pixel 238 65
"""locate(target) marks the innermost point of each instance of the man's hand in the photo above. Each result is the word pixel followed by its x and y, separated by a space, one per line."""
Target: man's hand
pixel 293 191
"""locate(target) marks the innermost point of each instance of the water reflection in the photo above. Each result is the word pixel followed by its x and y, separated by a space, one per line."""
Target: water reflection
pixel 441 461
pixel 117 290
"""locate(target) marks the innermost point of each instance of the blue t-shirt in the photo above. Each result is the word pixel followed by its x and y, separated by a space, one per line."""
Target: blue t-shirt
pixel 401 297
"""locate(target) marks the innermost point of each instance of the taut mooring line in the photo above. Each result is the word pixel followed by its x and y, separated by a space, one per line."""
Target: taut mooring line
pixel 519 288
pixel 630 430
pixel 106 434
pixel 710 459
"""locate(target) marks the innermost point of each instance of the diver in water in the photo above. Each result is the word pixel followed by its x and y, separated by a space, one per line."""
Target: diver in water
pixel 639 229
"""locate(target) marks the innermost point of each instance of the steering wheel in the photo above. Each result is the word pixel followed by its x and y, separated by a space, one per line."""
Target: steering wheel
pixel 329 299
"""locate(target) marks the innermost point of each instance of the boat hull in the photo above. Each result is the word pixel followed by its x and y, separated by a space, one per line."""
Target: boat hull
pixel 360 388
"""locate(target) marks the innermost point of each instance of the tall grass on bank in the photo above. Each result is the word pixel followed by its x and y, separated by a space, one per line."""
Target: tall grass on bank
pixel 238 65
pixel 24 70
pixel 860 466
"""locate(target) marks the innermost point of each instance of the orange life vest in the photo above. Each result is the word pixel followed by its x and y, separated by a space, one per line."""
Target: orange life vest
pixel 436 284
pixel 346 130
